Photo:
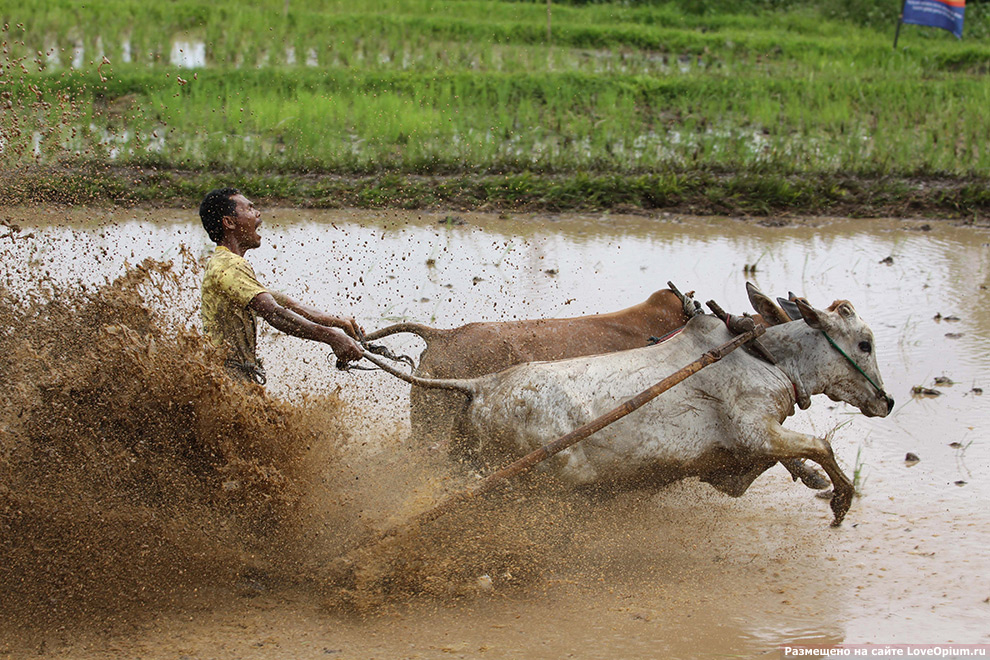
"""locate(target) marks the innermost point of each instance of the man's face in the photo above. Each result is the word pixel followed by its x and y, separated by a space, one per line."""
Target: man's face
pixel 245 222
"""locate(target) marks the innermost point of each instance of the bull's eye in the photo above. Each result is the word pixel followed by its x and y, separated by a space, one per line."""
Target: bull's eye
pixel 865 346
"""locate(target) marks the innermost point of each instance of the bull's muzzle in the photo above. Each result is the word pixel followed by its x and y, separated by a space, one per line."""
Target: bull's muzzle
pixel 880 405
pixel 883 404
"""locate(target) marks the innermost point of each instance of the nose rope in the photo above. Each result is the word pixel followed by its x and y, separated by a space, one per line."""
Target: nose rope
pixel 853 363
pixel 375 349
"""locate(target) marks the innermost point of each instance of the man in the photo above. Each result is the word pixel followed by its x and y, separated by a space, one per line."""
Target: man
pixel 232 297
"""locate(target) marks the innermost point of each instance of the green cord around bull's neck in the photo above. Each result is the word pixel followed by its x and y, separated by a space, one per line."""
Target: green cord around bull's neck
pixel 852 362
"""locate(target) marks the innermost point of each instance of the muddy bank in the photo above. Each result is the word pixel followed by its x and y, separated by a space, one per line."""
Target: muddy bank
pixel 761 195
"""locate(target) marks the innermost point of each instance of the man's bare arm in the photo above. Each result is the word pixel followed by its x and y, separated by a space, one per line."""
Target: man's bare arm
pixel 293 323
pixel 345 323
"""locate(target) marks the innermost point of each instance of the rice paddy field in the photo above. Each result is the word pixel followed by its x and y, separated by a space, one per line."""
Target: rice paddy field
pixel 744 107
pixel 462 161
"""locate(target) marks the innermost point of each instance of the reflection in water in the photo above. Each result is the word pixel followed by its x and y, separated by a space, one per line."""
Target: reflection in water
pixel 188 54
pixel 915 525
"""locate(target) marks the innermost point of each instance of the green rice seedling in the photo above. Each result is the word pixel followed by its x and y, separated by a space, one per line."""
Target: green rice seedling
pixel 859 477
pixel 463 86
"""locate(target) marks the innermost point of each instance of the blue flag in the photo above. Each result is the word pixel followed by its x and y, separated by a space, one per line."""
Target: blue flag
pixel 945 14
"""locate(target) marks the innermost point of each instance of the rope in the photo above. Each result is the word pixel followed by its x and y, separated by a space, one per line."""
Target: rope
pixel 374 349
pixel 853 363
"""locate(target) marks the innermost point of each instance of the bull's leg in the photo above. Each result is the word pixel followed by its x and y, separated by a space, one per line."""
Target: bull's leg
pixel 787 444
pixel 735 484
pixel 574 467
pixel 433 415
pixel 808 475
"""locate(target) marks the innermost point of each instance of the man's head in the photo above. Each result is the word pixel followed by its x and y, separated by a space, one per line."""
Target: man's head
pixel 226 213
pixel 217 204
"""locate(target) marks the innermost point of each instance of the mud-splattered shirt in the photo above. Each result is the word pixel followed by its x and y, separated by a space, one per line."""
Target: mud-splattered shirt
pixel 229 286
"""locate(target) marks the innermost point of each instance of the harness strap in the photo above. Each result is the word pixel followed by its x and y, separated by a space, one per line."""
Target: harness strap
pixel 653 341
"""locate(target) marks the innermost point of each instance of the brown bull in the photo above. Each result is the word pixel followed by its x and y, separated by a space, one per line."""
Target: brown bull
pixel 477 349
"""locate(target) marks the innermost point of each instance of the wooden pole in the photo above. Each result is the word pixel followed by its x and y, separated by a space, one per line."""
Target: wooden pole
pixel 900 22
pixel 546 451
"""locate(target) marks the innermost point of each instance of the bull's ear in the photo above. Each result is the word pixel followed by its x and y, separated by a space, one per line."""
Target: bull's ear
pixel 772 315
pixel 790 308
pixel 811 316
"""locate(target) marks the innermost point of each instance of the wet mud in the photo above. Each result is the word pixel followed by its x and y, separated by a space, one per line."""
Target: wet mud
pixel 136 474
pixel 133 470
pixel 151 507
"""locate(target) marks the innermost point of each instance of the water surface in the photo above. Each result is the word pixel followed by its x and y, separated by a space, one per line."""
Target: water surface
pixel 685 569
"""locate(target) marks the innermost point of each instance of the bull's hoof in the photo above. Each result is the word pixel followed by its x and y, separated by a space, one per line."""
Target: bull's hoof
pixel 808 475
pixel 841 501
pixel 813 479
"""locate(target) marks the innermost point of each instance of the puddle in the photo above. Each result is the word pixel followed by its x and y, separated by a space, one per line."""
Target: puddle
pixel 188 54
pixel 381 53
pixel 642 576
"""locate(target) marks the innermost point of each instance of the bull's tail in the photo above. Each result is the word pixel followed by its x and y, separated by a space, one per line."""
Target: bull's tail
pixel 467 386
pixel 424 332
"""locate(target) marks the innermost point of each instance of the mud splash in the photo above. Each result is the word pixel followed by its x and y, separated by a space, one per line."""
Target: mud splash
pixel 133 472
pixel 135 477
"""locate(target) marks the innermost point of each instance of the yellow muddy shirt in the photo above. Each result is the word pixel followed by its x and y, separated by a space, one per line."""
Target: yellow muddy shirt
pixel 229 286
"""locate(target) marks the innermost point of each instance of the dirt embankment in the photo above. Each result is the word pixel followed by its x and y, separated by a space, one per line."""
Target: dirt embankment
pixel 696 192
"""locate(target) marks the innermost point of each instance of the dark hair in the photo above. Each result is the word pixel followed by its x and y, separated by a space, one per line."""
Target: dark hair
pixel 216 206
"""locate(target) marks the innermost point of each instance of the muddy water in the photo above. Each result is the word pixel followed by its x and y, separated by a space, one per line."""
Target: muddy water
pixel 685 572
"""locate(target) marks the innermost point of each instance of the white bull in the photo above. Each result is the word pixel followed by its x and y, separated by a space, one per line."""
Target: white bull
pixel 722 424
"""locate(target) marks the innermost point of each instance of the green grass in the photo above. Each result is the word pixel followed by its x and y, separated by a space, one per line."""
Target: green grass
pixel 342 121
pixel 772 93
pixel 859 476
